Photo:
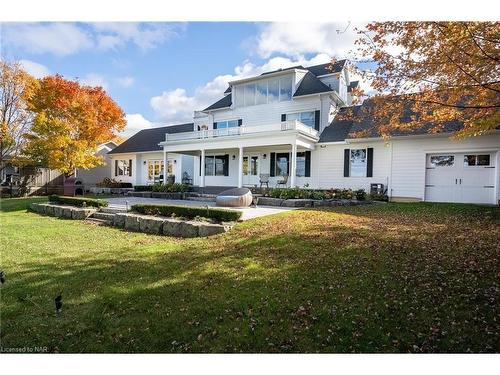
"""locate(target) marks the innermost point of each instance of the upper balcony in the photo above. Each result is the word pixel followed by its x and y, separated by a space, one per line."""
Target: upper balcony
pixel 285 127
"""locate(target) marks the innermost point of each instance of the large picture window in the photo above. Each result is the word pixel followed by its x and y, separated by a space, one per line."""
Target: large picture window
pixel 217 165
pixel 263 92
pixel 227 124
pixel 301 164
pixel 155 169
pixel 358 162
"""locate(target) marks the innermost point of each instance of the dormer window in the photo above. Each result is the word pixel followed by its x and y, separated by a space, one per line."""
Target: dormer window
pixel 263 92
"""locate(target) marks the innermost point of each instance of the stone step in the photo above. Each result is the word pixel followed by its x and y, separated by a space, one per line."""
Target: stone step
pixel 113 209
pixel 103 216
pixel 93 221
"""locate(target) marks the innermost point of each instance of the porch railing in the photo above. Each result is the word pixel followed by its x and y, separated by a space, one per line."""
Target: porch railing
pixel 285 126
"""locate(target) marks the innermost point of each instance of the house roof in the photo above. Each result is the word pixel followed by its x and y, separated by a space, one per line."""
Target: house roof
pixel 350 122
pixel 311 85
pixel 322 69
pixel 149 139
pixel 222 103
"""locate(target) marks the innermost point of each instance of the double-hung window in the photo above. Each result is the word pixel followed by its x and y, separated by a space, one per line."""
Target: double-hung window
pixel 358 162
pixel 123 167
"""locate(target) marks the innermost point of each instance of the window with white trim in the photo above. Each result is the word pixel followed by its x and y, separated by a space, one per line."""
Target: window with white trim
pixel 358 162
pixel 263 92
pixel 442 160
pixel 122 168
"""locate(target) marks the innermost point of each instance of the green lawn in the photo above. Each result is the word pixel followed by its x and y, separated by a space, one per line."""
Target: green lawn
pixel 382 278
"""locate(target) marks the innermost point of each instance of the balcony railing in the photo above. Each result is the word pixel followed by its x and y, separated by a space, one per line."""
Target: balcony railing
pixel 285 126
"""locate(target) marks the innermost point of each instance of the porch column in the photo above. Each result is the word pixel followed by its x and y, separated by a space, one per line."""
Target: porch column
pixel 240 167
pixel 293 167
pixel 202 175
pixel 165 166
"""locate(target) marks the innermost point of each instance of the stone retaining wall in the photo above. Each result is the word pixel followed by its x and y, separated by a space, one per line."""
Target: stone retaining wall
pixel 136 222
pixel 68 212
pixel 268 201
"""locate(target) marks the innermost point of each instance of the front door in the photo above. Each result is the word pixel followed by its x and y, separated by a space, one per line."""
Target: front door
pixel 251 168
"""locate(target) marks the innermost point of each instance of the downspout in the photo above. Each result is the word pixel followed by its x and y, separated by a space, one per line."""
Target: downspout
pixel 389 188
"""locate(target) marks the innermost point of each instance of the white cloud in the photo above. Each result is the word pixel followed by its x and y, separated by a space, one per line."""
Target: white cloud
pixel 126 81
pixel 144 35
pixel 295 39
pixel 94 79
pixel 64 39
pixel 135 122
pixel 35 69
pixel 60 39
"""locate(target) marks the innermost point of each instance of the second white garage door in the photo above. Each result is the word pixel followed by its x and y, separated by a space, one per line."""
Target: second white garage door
pixel 460 177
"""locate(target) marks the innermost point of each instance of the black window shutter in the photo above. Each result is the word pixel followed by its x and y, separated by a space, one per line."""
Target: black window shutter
pixel 130 167
pixel 283 117
pixel 288 161
pixel 226 165
pixel 347 161
pixel 200 165
pixel 215 125
pixel 272 167
pixel 369 162
pixel 116 167
pixel 316 120
pixel 240 122
pixel 308 164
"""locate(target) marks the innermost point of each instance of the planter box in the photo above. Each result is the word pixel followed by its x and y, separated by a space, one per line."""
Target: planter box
pixel 267 201
pixel 162 195
pixel 297 203
pixel 141 194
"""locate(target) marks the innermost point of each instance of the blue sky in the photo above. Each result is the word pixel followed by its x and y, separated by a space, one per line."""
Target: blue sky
pixel 160 72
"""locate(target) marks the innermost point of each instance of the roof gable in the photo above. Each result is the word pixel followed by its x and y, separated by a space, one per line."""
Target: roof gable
pixel 149 139
pixel 311 85
pixel 225 102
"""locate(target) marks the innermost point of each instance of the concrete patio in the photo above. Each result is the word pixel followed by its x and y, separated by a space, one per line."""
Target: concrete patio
pixel 248 212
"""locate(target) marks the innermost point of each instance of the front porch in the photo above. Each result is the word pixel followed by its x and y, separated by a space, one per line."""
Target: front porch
pixel 246 157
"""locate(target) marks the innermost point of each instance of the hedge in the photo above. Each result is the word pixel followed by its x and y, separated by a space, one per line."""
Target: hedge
pixel 110 183
pixel 300 193
pixel 216 214
pixel 143 187
pixel 171 188
pixel 73 201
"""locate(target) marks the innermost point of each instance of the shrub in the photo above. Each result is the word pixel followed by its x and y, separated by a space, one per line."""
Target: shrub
pixel 360 194
pixel 379 197
pixel 143 187
pixel 171 188
pixel 216 214
pixel 79 202
pixel 110 183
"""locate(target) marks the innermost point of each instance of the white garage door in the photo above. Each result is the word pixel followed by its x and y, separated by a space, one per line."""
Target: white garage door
pixel 460 177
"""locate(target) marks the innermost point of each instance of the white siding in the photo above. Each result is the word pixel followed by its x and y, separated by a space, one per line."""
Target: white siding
pixel 328 163
pixel 408 170
pixel 267 113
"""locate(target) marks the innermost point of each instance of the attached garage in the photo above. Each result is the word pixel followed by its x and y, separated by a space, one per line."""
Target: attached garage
pixel 465 177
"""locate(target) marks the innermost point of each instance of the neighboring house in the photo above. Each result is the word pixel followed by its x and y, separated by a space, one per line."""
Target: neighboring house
pixel 285 123
pixel 140 159
pixel 29 180
pixel 91 177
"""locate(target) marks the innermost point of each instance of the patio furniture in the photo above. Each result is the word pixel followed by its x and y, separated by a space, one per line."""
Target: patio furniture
pixel 282 182
pixel 264 179
pixel 186 179
pixel 158 179
pixel 237 197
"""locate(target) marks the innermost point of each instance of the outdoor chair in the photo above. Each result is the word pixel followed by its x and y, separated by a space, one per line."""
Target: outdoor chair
pixel 264 179
pixel 282 182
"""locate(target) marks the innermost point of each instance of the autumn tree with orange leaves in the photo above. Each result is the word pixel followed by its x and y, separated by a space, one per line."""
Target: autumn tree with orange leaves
pixel 70 121
pixel 440 71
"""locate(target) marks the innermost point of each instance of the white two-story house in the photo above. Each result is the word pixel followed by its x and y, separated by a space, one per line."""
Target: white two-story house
pixel 284 124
